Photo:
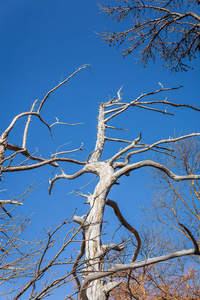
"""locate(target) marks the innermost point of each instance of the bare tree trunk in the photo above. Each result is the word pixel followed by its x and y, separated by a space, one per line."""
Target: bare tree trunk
pixel 93 250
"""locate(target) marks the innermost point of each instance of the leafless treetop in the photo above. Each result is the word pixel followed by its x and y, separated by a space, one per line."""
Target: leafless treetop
pixel 160 29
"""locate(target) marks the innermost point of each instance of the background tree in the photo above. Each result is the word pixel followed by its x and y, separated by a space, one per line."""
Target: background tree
pixel 168 30
pixel 171 280
pixel 94 281
pixel 42 264
pixel 17 255
pixel 172 205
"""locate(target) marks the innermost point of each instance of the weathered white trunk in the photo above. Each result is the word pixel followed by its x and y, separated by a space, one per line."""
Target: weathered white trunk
pixel 101 129
pixel 93 251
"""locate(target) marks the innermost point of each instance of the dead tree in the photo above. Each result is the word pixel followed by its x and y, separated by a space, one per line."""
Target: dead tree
pixel 169 281
pixel 17 255
pixel 93 281
pixel 94 285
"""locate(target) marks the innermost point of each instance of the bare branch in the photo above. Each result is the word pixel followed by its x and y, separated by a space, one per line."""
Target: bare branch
pixel 150 163
pixel 154 109
pixel 123 221
pixel 12 124
pixel 42 268
pixel 69 151
pixel 43 163
pixel 196 247
pixel 78 258
pixel 118 140
pixel 62 123
pixel 27 154
pixel 164 141
pixel 117 268
pixel 61 83
pixel 137 102
pixel 111 286
pixel 10 202
pixel 115 247
pixel 27 125
pixel 154 93
pixel 80 220
pixel 120 153
pixel 111 127
pixel 171 104
pixel 64 176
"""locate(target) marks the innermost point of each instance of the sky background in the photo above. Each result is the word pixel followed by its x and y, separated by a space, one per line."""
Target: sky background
pixel 45 41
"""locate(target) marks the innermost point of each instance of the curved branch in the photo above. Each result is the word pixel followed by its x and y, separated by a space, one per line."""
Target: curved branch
pixel 12 124
pixel 165 141
pixel 88 157
pixel 64 176
pixel 68 151
pixel 111 286
pixel 196 247
pixel 61 83
pixel 43 163
pixel 123 221
pixel 150 163
pixel 153 93
pixel 171 104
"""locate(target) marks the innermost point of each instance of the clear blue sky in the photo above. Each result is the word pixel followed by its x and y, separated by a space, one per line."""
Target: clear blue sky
pixel 43 41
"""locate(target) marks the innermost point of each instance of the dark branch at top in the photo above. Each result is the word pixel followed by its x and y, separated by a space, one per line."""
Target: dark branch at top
pixel 169 30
